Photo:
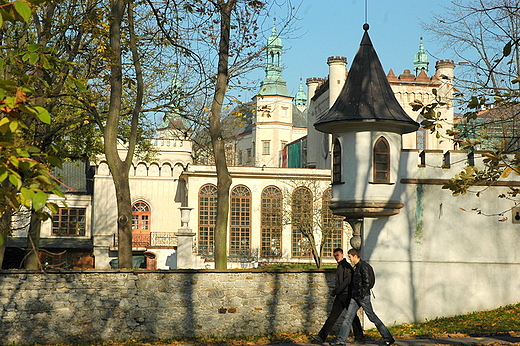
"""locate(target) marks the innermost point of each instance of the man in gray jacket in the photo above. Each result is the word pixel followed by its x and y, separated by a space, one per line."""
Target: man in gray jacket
pixel 342 295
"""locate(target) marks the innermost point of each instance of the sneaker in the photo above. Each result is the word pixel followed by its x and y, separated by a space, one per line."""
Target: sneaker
pixel 389 342
pixel 360 341
pixel 317 338
pixel 337 343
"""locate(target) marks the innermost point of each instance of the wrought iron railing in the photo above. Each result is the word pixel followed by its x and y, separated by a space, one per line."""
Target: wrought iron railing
pixel 164 239
pixel 147 239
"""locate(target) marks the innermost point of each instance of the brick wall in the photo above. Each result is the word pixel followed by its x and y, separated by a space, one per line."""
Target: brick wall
pixel 95 305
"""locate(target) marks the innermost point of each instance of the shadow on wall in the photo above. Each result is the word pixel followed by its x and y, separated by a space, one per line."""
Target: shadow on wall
pixel 98 306
pixel 171 261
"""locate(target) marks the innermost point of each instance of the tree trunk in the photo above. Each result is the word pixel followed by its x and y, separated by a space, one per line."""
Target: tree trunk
pixel 223 176
pixel 5 228
pixel 124 217
pixel 32 262
pixel 118 168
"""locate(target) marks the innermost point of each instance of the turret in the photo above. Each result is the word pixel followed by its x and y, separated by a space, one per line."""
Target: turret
pixel 337 75
pixel 367 123
pixel 312 85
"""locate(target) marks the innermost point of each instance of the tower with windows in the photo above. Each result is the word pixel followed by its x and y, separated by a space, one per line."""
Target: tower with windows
pixel 367 123
pixel 274 120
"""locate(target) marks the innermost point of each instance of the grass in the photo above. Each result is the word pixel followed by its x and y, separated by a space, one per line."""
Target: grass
pixel 504 320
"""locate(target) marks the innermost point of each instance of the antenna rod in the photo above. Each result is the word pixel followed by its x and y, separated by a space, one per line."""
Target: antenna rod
pixel 366 11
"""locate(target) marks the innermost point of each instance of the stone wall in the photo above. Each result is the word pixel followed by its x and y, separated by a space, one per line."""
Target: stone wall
pixel 96 305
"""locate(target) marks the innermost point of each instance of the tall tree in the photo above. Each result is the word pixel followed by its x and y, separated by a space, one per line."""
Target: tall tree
pixel 485 36
pixel 223 39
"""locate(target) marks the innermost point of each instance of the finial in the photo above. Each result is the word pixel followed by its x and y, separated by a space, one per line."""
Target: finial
pixel 366 26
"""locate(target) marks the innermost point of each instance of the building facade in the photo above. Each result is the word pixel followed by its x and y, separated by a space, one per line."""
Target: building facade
pixel 370 162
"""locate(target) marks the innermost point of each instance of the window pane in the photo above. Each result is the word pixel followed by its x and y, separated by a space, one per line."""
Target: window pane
pixel 271 215
pixel 207 217
pixel 381 165
pixel 302 220
pixel 240 221
pixel 69 221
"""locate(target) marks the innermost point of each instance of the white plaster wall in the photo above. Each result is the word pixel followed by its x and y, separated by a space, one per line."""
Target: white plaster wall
pixel 437 257
pixel 357 159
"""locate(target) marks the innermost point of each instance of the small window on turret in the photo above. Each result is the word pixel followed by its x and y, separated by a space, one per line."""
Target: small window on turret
pixel 381 161
pixel 336 162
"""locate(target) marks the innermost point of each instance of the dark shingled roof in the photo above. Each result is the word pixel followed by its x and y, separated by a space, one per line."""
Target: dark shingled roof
pixel 299 118
pixel 366 101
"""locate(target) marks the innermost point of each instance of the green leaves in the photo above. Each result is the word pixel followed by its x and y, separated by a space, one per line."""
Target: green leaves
pixel 24 170
pixel 23 9
pixel 19 10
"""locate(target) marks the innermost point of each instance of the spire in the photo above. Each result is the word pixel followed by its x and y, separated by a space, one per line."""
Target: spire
pixel 301 96
pixel 273 83
pixel 421 60
pixel 366 101
pixel 174 119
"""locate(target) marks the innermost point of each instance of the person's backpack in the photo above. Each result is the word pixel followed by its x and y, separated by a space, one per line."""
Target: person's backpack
pixel 371 275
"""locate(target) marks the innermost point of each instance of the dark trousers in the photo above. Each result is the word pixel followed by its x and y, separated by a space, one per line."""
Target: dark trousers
pixel 340 303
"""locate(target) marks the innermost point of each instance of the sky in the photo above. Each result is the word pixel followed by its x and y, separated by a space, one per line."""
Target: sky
pixel 335 28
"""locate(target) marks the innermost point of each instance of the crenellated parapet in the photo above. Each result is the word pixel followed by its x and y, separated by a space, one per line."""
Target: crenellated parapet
pixel 333 59
pixel 445 63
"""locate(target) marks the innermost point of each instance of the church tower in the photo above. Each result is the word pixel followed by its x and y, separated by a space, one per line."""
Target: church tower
pixel 276 120
pixel 273 83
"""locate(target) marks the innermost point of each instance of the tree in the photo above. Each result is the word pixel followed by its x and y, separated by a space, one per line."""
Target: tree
pixel 25 175
pixel 485 36
pixel 222 39
pixel 315 229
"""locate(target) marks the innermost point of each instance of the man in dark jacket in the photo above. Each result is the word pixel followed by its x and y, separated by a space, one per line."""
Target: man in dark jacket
pixel 361 298
pixel 341 301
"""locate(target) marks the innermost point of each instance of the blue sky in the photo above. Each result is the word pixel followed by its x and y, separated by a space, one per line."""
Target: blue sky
pixel 335 28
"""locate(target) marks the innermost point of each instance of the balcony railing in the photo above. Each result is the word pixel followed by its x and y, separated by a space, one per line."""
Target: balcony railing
pixel 150 239
pixel 164 239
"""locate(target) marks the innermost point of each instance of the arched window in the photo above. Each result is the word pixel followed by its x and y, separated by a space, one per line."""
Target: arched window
pixel 421 135
pixel 302 222
pixel 332 226
pixel 207 217
pixel 271 214
pixel 381 161
pixel 336 162
pixel 141 224
pixel 240 243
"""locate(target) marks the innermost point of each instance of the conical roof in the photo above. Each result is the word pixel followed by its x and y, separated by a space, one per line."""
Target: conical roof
pixel 366 101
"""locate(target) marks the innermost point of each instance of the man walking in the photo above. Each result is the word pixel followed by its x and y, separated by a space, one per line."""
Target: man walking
pixel 361 285
pixel 341 301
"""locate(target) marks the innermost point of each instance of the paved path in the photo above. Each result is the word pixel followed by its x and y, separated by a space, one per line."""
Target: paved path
pixel 484 340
